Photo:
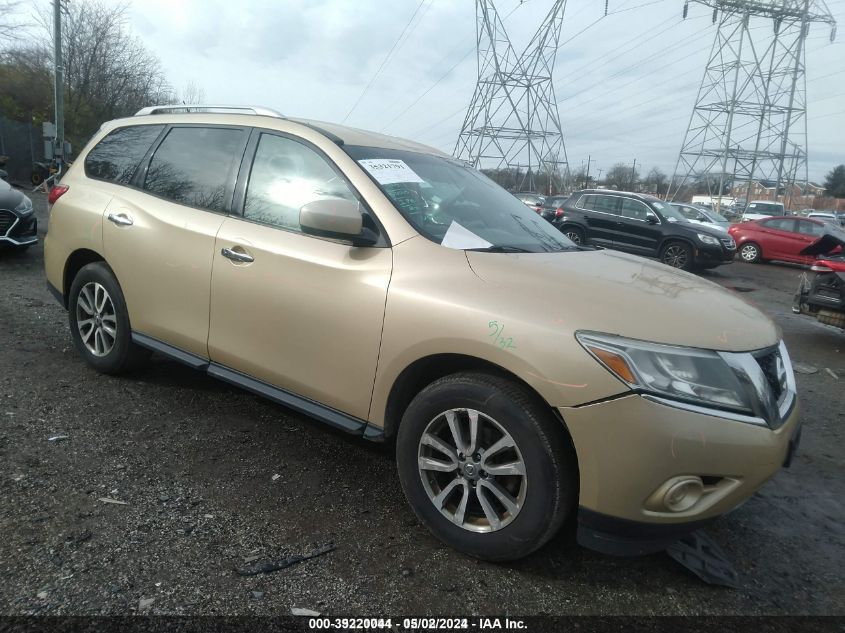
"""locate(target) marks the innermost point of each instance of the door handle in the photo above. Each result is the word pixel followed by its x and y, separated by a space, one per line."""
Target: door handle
pixel 121 219
pixel 236 256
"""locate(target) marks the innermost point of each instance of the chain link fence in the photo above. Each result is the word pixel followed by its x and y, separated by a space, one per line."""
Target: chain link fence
pixel 22 145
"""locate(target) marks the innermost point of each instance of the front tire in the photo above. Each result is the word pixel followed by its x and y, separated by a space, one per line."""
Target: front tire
pixel 677 255
pixel 486 466
pixel 99 321
pixel 751 253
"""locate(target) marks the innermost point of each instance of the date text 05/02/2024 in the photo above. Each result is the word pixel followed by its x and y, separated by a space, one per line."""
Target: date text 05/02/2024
pixel 417 624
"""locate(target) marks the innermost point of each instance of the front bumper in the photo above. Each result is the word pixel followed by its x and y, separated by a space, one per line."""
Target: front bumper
pixel 631 448
pixel 20 231
pixel 714 255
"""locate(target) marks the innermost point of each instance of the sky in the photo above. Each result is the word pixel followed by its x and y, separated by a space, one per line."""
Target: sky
pixel 621 97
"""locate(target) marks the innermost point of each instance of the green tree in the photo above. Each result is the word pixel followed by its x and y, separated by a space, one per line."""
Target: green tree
pixel 834 182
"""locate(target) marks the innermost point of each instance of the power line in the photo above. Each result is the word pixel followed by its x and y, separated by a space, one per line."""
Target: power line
pixel 384 61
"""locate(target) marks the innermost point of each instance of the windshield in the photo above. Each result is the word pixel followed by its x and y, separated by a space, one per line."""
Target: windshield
pixel 715 217
pixel 668 211
pixel 765 207
pixel 455 205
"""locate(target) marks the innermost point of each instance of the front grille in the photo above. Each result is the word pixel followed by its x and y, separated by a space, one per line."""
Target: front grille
pixel 774 371
pixel 7 219
pixel 728 243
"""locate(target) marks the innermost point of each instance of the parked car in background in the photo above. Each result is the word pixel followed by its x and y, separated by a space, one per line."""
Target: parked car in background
pixel 531 200
pixel 644 225
pixel 827 216
pixel 18 226
pixel 392 292
pixel 705 217
pixel 779 238
pixel 759 209
pixel 553 207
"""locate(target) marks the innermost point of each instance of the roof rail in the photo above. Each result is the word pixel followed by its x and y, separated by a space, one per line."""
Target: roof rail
pixel 185 108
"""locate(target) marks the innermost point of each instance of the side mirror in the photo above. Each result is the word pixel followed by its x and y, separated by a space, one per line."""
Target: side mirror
pixel 651 218
pixel 336 218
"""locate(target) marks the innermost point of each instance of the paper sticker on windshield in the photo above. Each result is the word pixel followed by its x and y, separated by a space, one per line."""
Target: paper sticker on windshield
pixel 389 171
pixel 460 237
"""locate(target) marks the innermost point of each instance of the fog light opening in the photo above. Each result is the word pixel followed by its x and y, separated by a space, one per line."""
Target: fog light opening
pixel 683 494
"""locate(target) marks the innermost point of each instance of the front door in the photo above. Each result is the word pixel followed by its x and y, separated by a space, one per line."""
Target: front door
pixel 159 236
pixel 634 232
pixel 600 214
pixel 301 313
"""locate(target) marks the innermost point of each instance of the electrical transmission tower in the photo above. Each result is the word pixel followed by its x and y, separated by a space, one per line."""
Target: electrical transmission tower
pixel 512 121
pixel 750 119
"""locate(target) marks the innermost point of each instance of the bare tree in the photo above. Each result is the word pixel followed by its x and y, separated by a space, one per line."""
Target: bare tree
pixel 190 94
pixel 657 180
pixel 622 177
pixel 9 22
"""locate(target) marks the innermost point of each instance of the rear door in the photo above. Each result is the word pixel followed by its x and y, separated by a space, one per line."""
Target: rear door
pixel 808 232
pixel 780 238
pixel 633 231
pixel 599 214
pixel 299 312
pixel 159 235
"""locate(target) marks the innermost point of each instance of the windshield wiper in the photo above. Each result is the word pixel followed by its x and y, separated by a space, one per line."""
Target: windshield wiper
pixel 501 249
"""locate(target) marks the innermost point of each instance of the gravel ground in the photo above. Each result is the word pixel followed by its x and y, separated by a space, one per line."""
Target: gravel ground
pixel 216 479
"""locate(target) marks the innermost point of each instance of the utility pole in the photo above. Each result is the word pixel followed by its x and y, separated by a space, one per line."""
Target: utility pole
pixel 587 177
pixel 58 86
pixel 633 175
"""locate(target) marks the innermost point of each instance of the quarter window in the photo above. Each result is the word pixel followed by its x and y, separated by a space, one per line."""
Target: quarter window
pixel 285 176
pixel 195 166
pixel 116 157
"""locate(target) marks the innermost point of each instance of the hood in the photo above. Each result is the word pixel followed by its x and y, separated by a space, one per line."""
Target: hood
pixel 832 239
pixel 616 293
pixel 694 226
pixel 710 225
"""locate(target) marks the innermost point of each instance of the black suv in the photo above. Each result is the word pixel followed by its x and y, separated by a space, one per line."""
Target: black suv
pixel 551 206
pixel 643 225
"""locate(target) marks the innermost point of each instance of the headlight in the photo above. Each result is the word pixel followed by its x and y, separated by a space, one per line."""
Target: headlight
pixel 24 208
pixel 681 373
pixel 708 239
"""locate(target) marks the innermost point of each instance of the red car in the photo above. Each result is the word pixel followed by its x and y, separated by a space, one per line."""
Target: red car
pixel 779 238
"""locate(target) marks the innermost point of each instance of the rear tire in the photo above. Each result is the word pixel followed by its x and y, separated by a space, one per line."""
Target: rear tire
pixel 500 496
pixel 677 255
pixel 575 234
pixel 751 253
pixel 99 322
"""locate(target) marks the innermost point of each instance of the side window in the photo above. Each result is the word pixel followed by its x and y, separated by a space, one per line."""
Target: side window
pixel 688 212
pixel 634 209
pixel 780 224
pixel 810 228
pixel 285 176
pixel 116 156
pixel 587 202
pixel 195 166
pixel 607 204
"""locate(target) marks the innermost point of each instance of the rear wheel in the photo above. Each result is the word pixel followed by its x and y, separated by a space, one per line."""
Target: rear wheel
pixel 99 321
pixel 750 253
pixel 575 234
pixel 486 467
pixel 677 255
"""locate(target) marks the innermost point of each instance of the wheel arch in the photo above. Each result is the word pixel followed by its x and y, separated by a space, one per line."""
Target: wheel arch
pixel 77 260
pixel 675 238
pixel 424 371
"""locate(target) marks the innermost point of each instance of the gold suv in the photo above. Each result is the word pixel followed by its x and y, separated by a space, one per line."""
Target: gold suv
pixel 392 291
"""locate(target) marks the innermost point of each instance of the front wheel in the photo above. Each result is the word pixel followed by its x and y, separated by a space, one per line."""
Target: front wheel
pixel 750 253
pixel 485 466
pixel 677 255
pixel 99 321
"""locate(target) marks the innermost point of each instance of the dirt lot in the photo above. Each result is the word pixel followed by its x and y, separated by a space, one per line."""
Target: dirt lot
pixel 214 477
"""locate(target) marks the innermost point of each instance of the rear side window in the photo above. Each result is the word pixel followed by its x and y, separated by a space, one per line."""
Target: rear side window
pixel 810 228
pixel 780 225
pixel 116 157
pixel 195 166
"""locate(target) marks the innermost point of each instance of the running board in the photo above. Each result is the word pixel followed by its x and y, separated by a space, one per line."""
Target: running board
pixel 332 417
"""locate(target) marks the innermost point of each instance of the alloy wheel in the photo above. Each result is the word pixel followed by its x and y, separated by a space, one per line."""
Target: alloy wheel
pixel 96 319
pixel 575 236
pixel 472 470
pixel 675 256
pixel 749 252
